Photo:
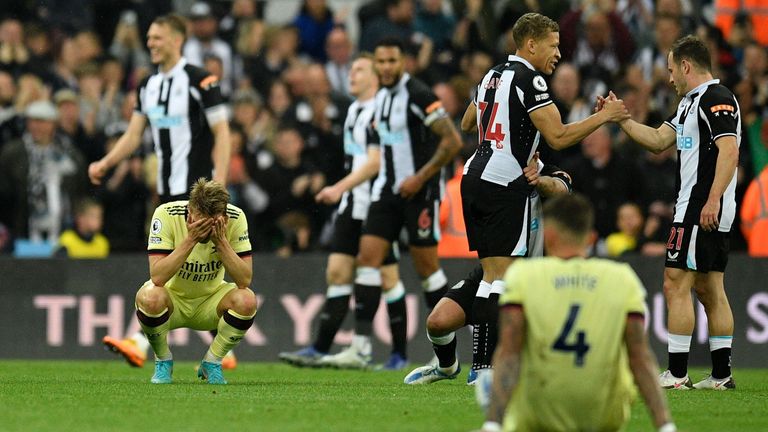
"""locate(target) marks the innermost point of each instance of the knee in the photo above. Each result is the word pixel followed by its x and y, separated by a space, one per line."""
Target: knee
pixel 244 302
pixel 152 299
pixel 674 287
pixel 438 323
pixel 337 276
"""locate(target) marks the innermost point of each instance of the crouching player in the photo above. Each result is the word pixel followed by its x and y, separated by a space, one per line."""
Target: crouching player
pixel 191 244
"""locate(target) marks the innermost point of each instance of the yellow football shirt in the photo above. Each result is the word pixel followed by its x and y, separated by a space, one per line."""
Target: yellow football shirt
pixel 77 247
pixel 203 270
pixel 575 374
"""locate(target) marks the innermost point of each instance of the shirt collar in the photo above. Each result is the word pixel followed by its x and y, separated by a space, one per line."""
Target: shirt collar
pixel 400 84
pixel 701 87
pixel 175 69
pixel 513 57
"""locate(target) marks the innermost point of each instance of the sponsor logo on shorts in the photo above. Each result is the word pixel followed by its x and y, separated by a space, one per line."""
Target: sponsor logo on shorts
pixel 672 256
pixel 425 224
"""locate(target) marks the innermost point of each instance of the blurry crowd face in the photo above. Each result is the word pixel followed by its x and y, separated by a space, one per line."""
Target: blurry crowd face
pixel 338 46
pixel 449 98
pixel 630 219
pixel 205 28
pixel 164 44
pixel 597 145
pixel 361 77
pixel 41 130
pixel 316 8
pixel 317 81
pixel 91 220
pixel 598 31
pixel 401 12
pixel 666 32
pixel 7 88
pixel 755 61
pixel 547 53
pixel 288 146
pixel 565 83
pixel 11 32
pixel 389 65
pixel 279 98
pixel 433 6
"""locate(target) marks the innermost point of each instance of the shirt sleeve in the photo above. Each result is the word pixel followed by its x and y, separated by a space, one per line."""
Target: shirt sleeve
pixel 426 105
pixel 140 90
pixel 721 111
pixel 211 99
pixel 514 291
pixel 535 92
pixel 161 239
pixel 372 136
pixel 635 299
pixel 238 233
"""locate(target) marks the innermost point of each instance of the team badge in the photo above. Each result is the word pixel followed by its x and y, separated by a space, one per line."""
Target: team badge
pixel 539 83
pixel 156 226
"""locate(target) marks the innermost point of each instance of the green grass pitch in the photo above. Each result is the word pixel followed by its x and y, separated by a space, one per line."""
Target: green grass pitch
pixel 110 396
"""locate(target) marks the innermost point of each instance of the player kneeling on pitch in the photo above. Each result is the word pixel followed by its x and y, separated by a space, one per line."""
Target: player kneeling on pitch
pixel 571 336
pixel 191 244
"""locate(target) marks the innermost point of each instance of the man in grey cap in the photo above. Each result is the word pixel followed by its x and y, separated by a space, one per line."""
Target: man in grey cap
pixel 40 175
pixel 205 41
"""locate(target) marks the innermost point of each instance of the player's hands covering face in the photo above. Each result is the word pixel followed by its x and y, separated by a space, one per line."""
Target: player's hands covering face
pixel 199 230
pixel 219 230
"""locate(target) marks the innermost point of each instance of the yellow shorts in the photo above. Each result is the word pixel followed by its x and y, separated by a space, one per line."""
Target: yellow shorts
pixel 197 313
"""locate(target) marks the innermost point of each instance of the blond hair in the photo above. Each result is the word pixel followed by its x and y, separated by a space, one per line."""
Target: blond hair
pixel 209 198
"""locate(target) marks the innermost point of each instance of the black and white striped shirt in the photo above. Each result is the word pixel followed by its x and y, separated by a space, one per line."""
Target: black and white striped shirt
pixel 359 135
pixel 404 113
pixel 180 105
pixel 706 113
pixel 507 138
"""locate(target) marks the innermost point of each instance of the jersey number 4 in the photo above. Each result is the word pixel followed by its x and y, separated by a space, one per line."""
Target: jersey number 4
pixel 493 132
pixel 580 347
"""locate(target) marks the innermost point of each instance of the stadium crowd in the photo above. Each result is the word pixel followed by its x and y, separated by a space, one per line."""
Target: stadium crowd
pixel 69 72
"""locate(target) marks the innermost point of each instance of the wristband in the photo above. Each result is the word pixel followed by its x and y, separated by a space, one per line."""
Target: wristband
pixel 492 426
pixel 668 427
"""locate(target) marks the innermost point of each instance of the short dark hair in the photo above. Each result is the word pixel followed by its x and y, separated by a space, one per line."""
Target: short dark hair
pixel 391 42
pixel 572 213
pixel 533 25
pixel 176 22
pixel 694 50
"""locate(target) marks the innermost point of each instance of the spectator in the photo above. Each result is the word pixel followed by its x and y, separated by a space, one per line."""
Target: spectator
pixel 242 11
pixel 338 48
pixel 606 178
pixel 566 93
pixel 7 93
pixel 248 46
pixel 204 41
pixel 594 38
pixel 649 70
pixel 280 98
pixel 13 53
pixel 71 128
pixel 39 176
pixel 124 195
pixel 127 44
pixel 112 77
pixel 28 89
pixel 257 125
pixel 435 24
pixel 314 22
pixel 752 93
pixel 754 215
pixel 280 52
pixel 85 240
pixel 396 22
pixel 66 61
pixel 629 221
pixel 88 46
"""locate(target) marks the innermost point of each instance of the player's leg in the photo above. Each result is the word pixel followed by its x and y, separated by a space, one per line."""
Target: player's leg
pixel 422 222
pixel 367 291
pixel 450 314
pixel 394 297
pixel 710 290
pixel 680 323
pixel 154 307
pixel 133 348
pixel 235 308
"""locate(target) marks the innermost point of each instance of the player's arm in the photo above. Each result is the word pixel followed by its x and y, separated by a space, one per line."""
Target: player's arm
pixel 239 268
pixel 126 144
pixel 469 120
pixel 559 136
pixel 506 360
pixel 332 194
pixel 645 369
pixel 221 151
pixel 654 140
pixel 727 160
pixel 449 146
pixel 162 267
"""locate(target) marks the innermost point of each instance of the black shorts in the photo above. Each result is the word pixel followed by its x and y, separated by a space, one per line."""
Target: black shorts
pixel 690 247
pixel 346 238
pixel 419 215
pixel 464 292
pixel 497 217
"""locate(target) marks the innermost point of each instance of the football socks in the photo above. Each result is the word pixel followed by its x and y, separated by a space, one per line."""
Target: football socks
pixel 156 327
pixel 231 329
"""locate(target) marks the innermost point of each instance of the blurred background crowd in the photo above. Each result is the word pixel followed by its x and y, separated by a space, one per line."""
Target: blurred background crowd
pixel 69 70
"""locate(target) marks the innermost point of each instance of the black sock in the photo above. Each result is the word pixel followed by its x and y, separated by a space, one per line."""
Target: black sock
pixel 485 313
pixel 721 363
pixel 432 297
pixel 398 325
pixel 678 364
pixel 367 299
pixel 446 354
pixel 331 317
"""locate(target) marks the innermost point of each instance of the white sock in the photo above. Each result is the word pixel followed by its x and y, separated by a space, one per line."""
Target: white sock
pixel 140 339
pixel 362 344
pixel 168 356
pixel 678 343
pixel 718 342
pixel 211 357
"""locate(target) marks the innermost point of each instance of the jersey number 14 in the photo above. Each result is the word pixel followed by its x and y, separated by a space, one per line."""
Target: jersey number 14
pixel 580 347
pixel 493 132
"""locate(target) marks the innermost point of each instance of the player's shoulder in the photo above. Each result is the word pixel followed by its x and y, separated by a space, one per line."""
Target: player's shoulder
pixel 234 212
pixel 717 94
pixel 417 87
pixel 199 77
pixel 172 209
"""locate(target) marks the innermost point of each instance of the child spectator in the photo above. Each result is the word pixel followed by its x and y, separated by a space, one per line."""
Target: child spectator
pixel 85 239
